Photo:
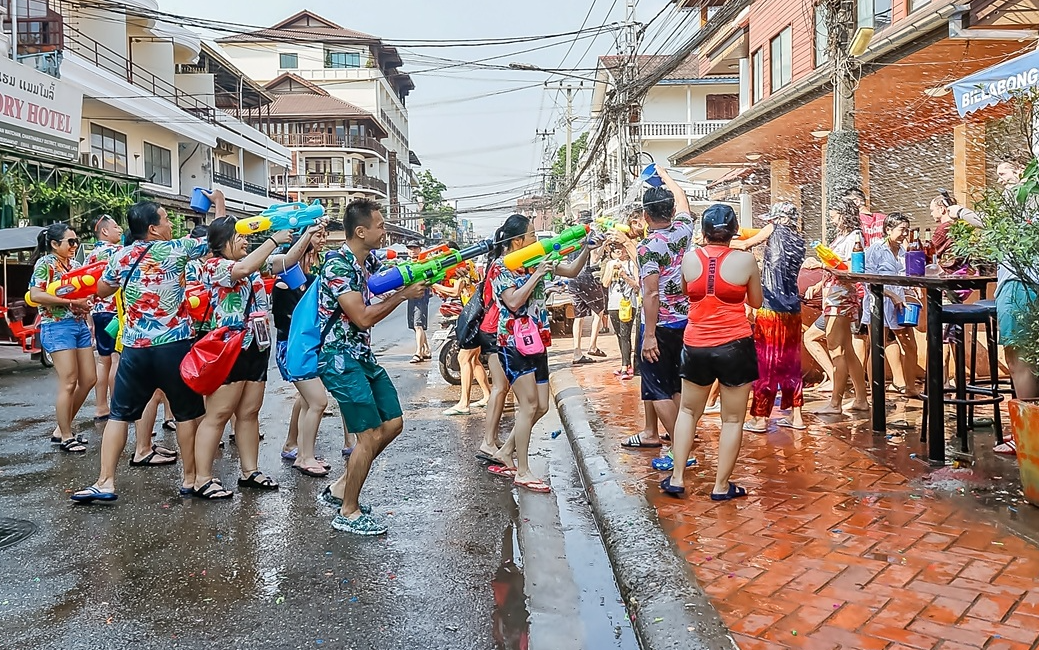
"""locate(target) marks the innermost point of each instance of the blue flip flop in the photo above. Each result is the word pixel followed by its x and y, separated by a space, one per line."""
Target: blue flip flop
pixel 93 494
pixel 672 490
pixel 734 492
pixel 667 463
pixel 290 455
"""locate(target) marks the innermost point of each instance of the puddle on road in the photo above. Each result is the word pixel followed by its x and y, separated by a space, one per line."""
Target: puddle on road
pixel 511 620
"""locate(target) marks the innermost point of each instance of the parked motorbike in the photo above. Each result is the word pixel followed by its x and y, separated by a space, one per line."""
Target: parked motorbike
pixel 446 343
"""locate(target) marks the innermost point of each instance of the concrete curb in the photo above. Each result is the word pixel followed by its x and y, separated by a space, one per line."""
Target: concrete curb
pixel 654 579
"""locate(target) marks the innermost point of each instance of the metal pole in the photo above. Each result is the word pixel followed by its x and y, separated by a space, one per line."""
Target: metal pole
pixel 14 29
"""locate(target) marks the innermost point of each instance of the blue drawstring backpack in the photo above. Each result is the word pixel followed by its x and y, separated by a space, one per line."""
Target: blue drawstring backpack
pixel 306 335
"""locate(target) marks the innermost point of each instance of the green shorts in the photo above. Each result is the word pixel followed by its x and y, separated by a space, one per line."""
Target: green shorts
pixel 365 394
pixel 1013 303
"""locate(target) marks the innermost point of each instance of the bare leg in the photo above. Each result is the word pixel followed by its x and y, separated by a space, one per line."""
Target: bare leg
pixel 906 340
pixel 481 378
pixel 593 340
pixel 532 404
pixel 1026 380
pixel 893 355
pixel 370 444
pixel 104 384
pixel 667 412
pixel 466 359
pixel 186 441
pixel 815 344
pixel 650 431
pixel 66 365
pixel 576 331
pixel 423 343
pixel 495 406
pixel 219 407
pixel 693 400
pixel 292 439
pixel 144 428
pixel 247 426
pixel 314 398
pixel 112 444
pixel 734 410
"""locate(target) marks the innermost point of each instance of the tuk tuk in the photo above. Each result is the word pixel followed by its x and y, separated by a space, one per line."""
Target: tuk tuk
pixel 19 323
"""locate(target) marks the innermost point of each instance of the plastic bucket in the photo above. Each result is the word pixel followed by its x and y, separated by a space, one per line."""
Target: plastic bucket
pixel 293 277
pixel 649 175
pixel 200 203
pixel 910 316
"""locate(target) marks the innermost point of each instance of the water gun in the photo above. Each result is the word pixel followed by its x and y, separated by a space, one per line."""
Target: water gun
pixel 557 247
pixel 607 223
pixel 430 253
pixel 78 283
pixel 385 254
pixel 829 258
pixel 282 216
pixel 432 270
pixel 747 233
pixel 197 298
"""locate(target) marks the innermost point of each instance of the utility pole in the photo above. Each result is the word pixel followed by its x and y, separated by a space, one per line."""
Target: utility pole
pixel 546 160
pixel 570 89
pixel 628 73
pixel 841 165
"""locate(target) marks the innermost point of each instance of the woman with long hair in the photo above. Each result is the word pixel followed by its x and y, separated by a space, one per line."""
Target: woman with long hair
pixel 620 278
pixel 718 347
pixel 842 307
pixel 64 332
pixel 522 319
pixel 311 400
pixel 460 289
pixel 239 299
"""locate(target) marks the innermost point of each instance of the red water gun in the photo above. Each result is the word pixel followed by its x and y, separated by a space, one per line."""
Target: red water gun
pixel 197 297
pixel 432 252
pixel 78 283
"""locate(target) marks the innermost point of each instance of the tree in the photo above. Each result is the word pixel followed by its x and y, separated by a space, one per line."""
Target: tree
pixel 436 212
pixel 577 149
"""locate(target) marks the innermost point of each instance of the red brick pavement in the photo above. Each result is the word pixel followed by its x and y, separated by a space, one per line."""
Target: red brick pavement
pixel 832 548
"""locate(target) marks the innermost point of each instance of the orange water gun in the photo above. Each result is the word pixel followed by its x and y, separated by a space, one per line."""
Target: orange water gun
pixel 829 258
pixel 747 233
pixel 78 283
pixel 432 252
pixel 197 297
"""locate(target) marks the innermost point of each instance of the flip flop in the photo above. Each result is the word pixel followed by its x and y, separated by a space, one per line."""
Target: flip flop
pixel 92 494
pixel 169 425
pixel 99 419
pixel 635 442
pixel 672 490
pixel 212 495
pixel 734 492
pixel 784 422
pixel 147 460
pixel 347 451
pixel 503 471
pixel 162 451
pixel 416 359
pixel 582 361
pixel 310 471
pixel 480 404
pixel 1007 448
pixel 491 460
pixel 290 455
pixel 747 427
pixel 455 411
pixel 534 485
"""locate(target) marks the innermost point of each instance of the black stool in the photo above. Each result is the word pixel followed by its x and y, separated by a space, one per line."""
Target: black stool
pixel 1006 386
pixel 969 395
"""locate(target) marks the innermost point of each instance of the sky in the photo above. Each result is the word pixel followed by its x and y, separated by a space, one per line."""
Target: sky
pixel 475 144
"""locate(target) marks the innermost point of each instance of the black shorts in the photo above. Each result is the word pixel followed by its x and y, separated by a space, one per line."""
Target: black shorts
pixel 516 365
pixel 589 302
pixel 733 364
pixel 488 342
pixel 418 313
pixel 104 343
pixel 142 371
pixel 660 379
pixel 251 365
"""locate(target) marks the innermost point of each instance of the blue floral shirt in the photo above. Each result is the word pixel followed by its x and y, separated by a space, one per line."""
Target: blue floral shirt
pixel 341 274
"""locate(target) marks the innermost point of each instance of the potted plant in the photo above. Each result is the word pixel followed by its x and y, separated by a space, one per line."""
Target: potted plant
pixel 1010 238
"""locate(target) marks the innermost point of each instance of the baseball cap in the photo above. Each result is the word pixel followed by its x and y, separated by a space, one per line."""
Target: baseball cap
pixel 781 209
pixel 719 222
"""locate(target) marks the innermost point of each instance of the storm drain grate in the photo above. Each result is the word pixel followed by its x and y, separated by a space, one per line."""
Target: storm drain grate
pixel 13 531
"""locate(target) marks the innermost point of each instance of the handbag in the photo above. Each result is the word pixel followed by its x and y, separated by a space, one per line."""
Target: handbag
pixel 208 363
pixel 527 335
pixel 467 327
pixel 625 313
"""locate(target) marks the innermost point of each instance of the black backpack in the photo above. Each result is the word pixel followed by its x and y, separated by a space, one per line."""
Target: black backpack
pixel 467 328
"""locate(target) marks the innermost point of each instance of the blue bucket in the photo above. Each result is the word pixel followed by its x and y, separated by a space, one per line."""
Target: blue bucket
pixel 200 203
pixel 293 277
pixel 910 316
pixel 649 175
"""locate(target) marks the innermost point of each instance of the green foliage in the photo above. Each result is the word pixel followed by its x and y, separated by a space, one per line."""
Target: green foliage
pixel 63 193
pixel 436 213
pixel 577 149
pixel 178 223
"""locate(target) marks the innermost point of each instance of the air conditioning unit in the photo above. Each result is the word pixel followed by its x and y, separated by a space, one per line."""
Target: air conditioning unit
pixel 90 160
pixel 223 148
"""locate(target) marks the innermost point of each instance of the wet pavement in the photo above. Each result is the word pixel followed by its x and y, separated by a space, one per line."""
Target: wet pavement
pixel 467 563
pixel 846 540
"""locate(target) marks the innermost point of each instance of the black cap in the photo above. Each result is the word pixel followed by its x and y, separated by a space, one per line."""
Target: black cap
pixel 414 243
pixel 720 223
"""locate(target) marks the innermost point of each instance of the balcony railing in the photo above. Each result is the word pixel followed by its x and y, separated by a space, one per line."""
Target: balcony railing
pixel 278 196
pixel 677 130
pixel 253 188
pixel 110 60
pixel 329 140
pixel 331 181
pixel 227 180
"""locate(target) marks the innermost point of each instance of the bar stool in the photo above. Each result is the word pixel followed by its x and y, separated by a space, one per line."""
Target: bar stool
pixel 1006 385
pixel 968 395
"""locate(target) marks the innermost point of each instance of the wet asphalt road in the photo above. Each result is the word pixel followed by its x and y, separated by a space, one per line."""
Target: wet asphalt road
pixel 266 570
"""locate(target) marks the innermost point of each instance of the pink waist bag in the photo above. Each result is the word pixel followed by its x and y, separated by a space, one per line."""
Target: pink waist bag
pixel 528 336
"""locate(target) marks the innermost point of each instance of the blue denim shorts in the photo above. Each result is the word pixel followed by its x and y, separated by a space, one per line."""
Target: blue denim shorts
pixel 68 334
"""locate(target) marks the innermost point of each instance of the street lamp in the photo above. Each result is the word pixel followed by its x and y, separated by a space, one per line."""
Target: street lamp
pixel 528 67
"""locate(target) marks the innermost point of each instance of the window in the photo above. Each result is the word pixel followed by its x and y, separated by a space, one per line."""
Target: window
pixel 759 75
pixel 342 60
pixel 822 35
pixel 874 13
pixel 157 167
pixel 227 169
pixel 288 61
pixel 110 148
pixel 781 49
pixel 917 4
pixel 723 107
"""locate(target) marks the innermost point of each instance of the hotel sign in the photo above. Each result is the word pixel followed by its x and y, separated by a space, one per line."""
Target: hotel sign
pixel 38 113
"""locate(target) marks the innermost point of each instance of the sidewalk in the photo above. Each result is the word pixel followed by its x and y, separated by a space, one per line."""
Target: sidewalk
pixel 845 541
pixel 13 359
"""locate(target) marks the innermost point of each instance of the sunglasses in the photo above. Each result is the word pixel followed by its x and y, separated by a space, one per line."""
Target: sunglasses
pixel 72 241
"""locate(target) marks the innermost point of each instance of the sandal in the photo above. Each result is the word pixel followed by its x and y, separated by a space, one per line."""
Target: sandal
pixel 734 492
pixel 290 455
pixel 93 493
pixel 257 480
pixel 504 471
pixel 56 440
pixel 213 490
pixel 317 471
pixel 416 359
pixel 597 353
pixel 454 410
pixel 534 485
pixel 169 425
pixel 582 361
pixel 635 442
pixel 163 451
pixel 487 458
pixel 786 423
pixel 1007 448
pixel 480 404
pixel 673 490
pixel 149 460
pixel 73 446
pixel 100 419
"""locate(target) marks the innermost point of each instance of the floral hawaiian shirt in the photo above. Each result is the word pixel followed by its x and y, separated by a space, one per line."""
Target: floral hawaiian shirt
pixel 193 271
pixel 229 298
pixel 48 269
pixel 102 253
pixel 660 253
pixel 500 279
pixel 154 295
pixel 341 274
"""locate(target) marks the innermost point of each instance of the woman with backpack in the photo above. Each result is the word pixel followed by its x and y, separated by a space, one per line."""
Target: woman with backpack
pixel 239 300
pixel 523 336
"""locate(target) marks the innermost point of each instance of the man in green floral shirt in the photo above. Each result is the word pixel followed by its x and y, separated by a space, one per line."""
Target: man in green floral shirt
pixel 347 365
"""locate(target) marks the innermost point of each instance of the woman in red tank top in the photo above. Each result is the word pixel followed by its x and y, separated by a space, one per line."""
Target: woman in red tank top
pixel 720 283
